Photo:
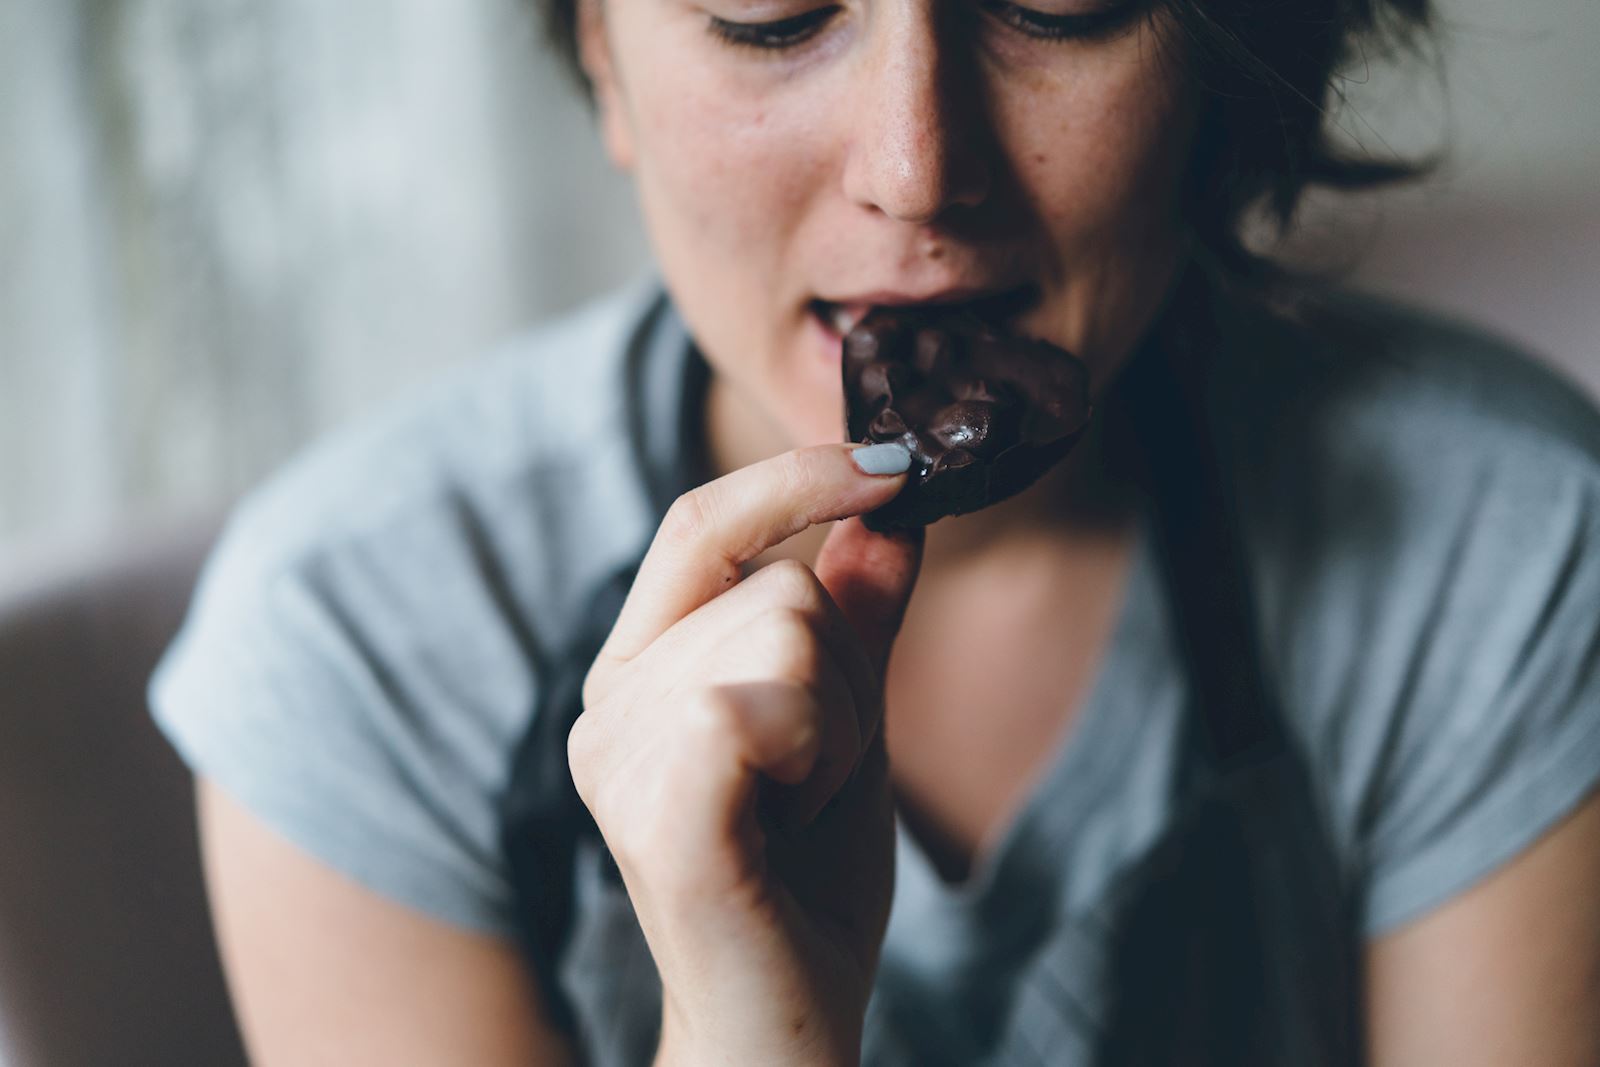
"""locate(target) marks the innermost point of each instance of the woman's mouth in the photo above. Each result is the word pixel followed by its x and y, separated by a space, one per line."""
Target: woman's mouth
pixel 996 306
pixel 838 319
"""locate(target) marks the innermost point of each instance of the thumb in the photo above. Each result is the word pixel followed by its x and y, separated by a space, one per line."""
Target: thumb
pixel 870 576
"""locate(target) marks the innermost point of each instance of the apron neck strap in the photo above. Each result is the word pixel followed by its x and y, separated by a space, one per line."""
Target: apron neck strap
pixel 1196 529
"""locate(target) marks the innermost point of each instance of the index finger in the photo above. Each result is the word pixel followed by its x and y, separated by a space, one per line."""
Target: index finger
pixel 711 531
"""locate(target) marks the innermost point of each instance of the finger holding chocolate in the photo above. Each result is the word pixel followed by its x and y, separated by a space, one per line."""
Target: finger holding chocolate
pixel 983 414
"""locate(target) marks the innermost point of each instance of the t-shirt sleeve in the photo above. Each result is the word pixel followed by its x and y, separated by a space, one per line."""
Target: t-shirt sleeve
pixel 329 691
pixel 1493 730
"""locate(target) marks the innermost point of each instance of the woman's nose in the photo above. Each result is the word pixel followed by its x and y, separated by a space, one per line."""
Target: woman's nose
pixel 919 141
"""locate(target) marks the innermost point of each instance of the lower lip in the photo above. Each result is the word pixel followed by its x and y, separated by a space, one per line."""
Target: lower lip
pixel 828 342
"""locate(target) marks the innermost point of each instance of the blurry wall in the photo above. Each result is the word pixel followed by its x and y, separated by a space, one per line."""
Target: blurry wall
pixel 228 224
pixel 1506 231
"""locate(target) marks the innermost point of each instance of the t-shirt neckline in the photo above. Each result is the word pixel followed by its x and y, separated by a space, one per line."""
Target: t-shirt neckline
pixel 1079 771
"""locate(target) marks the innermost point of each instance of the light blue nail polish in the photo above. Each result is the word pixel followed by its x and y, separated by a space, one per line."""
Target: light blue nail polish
pixel 883 459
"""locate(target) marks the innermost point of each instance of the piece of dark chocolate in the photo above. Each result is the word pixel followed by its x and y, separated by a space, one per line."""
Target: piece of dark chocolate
pixel 983 414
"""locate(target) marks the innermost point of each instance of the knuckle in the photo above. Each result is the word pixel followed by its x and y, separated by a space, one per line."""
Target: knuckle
pixel 793 641
pixel 710 715
pixel 690 516
pixel 793 584
pixel 582 756
pixel 593 686
pixel 613 802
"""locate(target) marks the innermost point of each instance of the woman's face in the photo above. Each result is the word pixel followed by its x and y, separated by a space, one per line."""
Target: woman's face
pixel 798 163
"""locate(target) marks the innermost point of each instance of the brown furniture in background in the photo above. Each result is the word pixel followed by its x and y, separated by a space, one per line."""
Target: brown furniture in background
pixel 106 949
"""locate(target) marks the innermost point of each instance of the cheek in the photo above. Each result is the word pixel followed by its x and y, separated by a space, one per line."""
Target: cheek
pixel 722 169
pixel 1098 138
pixel 729 178
pixel 1098 150
pixel 1108 172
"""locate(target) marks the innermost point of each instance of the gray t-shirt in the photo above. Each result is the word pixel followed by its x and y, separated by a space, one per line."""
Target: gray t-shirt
pixel 1421 518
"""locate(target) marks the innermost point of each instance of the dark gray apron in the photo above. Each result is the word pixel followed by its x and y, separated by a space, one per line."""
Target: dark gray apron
pixel 1231 943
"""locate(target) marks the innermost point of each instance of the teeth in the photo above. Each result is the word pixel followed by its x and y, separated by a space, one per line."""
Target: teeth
pixel 844 319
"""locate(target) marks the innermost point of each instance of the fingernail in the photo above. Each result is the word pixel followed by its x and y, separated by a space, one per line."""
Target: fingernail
pixel 888 458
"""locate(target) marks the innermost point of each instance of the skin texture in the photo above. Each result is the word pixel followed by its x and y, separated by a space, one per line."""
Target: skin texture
pixel 877 156
pixel 732 752
pixel 910 146
pixel 1508 972
pixel 325 973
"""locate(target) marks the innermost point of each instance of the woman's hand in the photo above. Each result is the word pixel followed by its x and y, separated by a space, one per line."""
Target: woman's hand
pixel 731 751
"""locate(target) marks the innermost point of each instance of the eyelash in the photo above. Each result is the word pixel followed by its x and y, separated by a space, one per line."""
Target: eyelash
pixel 1100 23
pixel 791 32
pixel 772 36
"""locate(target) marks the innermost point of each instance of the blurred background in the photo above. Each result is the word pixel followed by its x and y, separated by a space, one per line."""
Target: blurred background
pixel 226 225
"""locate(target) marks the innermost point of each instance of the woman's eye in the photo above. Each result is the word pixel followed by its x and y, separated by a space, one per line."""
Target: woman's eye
pixel 782 33
pixel 1059 27
pixel 797 29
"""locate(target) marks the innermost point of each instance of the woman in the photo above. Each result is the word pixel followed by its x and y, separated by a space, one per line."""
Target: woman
pixel 1314 784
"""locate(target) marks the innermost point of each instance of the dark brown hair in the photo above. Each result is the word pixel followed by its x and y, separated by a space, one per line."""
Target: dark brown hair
pixel 1269 70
